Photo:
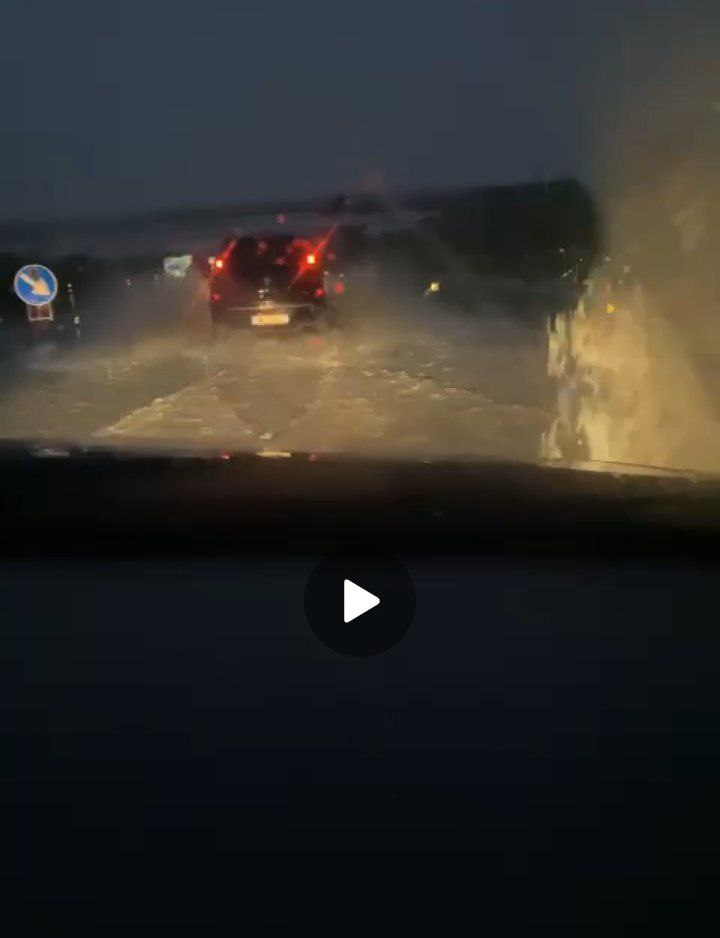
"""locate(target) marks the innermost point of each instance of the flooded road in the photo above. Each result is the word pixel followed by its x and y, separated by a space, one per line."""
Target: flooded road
pixel 413 380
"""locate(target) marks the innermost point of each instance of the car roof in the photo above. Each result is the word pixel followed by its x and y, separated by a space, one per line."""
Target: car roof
pixel 266 236
pixel 274 234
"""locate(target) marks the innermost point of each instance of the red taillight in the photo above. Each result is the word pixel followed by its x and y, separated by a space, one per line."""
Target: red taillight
pixel 340 287
pixel 319 292
pixel 216 297
pixel 311 260
pixel 219 263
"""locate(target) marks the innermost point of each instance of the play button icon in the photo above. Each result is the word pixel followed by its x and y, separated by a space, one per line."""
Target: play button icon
pixel 359 602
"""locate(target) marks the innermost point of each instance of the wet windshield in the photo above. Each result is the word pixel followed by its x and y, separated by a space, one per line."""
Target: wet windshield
pixel 499 240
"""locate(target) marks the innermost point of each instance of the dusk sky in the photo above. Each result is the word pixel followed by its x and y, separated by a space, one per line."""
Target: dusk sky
pixel 135 105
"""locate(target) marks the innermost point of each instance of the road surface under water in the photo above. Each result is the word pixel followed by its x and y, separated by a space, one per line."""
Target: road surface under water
pixel 414 380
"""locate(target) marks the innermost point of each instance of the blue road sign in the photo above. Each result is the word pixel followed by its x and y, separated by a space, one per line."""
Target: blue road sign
pixel 36 285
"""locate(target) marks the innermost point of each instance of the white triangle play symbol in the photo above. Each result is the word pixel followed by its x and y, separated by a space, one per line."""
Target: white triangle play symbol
pixel 357 601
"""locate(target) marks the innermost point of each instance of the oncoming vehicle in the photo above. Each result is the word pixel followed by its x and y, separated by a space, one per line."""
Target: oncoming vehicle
pixel 274 281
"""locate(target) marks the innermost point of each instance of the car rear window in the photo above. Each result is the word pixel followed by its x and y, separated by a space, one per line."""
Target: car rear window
pixel 256 257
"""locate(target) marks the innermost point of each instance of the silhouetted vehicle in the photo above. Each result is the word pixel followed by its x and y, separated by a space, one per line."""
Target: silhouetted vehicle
pixel 274 281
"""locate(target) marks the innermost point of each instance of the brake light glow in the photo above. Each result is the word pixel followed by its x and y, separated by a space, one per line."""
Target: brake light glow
pixel 311 260
pixel 340 287
pixel 216 297
pixel 319 292
pixel 219 263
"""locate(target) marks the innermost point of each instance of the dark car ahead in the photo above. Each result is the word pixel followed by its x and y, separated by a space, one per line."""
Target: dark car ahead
pixel 270 282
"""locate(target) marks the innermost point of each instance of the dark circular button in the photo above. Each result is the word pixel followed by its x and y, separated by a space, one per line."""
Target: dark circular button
pixel 359 603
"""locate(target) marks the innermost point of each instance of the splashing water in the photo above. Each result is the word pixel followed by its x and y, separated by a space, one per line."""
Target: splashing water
pixel 627 389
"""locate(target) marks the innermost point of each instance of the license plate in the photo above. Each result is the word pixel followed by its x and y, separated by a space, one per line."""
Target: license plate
pixel 270 319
